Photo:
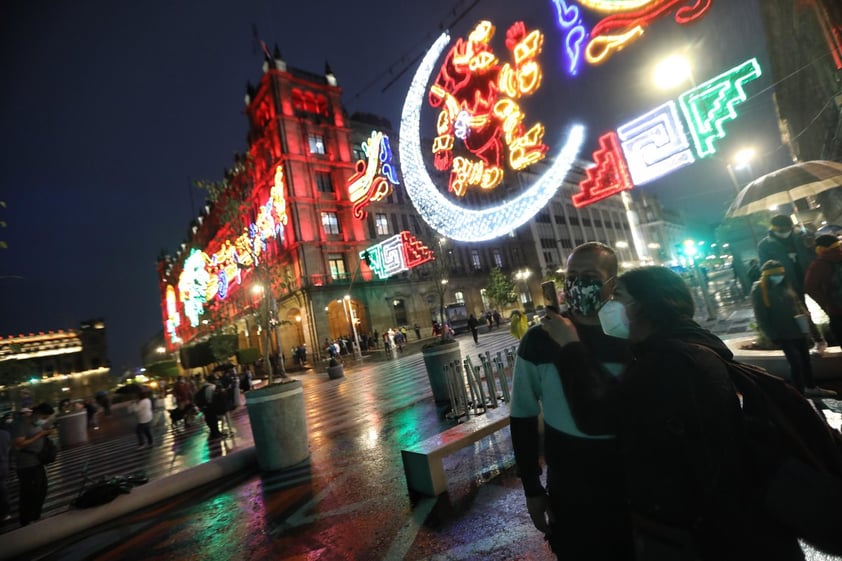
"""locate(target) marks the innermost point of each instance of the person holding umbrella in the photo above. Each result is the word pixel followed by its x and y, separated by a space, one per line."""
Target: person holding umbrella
pixel 792 250
pixel 824 281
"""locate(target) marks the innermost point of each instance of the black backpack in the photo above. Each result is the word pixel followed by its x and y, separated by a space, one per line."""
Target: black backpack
pixel 797 455
pixel 200 398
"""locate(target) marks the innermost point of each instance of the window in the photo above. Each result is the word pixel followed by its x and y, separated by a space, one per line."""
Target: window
pixel 330 223
pixel 566 243
pixel 542 217
pixel 475 261
pixel 381 223
pixel 498 258
pixel 323 182
pixel 547 243
pixel 317 143
pixel 559 219
pixel 579 241
pixel 337 267
pixel 416 228
pixel 573 220
pixel 586 221
pixel 548 257
pixel 459 296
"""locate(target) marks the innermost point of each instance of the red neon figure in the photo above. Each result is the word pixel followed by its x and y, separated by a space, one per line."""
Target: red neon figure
pixel 475 95
pixel 414 252
pixel 614 32
pixel 608 177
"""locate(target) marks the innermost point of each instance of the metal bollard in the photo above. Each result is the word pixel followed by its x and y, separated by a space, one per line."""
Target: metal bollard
pixel 504 381
pixel 451 392
pixel 474 371
pixel 474 394
pixel 489 380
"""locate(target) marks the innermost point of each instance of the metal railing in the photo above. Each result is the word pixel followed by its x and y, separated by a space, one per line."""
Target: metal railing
pixel 465 389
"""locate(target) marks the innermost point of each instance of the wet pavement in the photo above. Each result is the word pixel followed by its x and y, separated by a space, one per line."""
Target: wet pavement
pixel 348 502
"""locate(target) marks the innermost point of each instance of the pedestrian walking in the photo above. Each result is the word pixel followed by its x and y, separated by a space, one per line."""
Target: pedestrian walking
pixel 690 484
pixel 32 475
pixel 473 325
pixel 496 316
pixel 824 281
pixel 582 510
pixel 204 399
pixel 794 250
pixel 417 330
pixel 142 408
pixel 782 317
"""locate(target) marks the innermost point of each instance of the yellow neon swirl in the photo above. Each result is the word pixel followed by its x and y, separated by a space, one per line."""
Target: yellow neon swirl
pixel 600 48
pixel 608 6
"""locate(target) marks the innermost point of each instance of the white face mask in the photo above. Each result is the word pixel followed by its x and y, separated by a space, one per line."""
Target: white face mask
pixel 784 235
pixel 39 422
pixel 776 279
pixel 614 321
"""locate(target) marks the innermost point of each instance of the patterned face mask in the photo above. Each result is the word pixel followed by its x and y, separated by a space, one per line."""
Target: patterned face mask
pixel 584 294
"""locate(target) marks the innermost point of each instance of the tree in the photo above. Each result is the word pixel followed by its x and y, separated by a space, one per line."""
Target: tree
pixel 501 289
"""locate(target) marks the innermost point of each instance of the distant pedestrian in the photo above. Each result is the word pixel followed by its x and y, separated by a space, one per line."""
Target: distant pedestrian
pixel 417 330
pixel 782 317
pixel 32 476
pixel 824 281
pixel 496 315
pixel 473 325
pixel 90 410
pixel 488 319
pixel 142 408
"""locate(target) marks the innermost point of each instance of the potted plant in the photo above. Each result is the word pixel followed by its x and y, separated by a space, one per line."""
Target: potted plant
pixel 335 369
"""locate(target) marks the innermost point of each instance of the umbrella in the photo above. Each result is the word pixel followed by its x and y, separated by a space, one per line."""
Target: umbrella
pixel 786 185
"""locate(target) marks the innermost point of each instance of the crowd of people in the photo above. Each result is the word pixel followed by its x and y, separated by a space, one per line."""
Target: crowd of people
pixel 643 438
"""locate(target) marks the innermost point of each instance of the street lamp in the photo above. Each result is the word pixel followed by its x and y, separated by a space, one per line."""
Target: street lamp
pixel 672 71
pixel 523 277
pixel 356 343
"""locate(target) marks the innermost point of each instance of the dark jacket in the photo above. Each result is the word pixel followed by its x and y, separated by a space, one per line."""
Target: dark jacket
pixel 772 247
pixel 777 320
pixel 678 420
pixel 824 281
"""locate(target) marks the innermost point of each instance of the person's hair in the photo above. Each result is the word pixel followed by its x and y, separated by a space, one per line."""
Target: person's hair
pixel 781 221
pixel 43 409
pixel 771 264
pixel 661 294
pixel 599 247
pixel 826 240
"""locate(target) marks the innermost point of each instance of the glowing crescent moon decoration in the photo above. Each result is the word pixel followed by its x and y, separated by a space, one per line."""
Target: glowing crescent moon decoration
pixel 447 218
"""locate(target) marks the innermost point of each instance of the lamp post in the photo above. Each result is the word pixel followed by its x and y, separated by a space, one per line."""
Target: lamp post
pixel 357 349
pixel 672 71
pixel 742 160
pixel 522 276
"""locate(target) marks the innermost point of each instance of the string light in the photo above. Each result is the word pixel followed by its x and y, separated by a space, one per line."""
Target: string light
pixel 173 317
pixel 374 175
pixel 447 218
pixel 655 144
pixel 625 25
pixel 608 177
pixel 709 106
pixel 192 286
pixel 396 254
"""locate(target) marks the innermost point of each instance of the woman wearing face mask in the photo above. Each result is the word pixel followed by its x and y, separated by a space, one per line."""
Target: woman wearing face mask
pixel 785 321
pixel 677 417
pixel 32 476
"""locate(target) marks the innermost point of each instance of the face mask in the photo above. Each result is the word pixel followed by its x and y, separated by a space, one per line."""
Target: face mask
pixel 614 321
pixel 39 422
pixel 776 279
pixel 583 294
pixel 783 235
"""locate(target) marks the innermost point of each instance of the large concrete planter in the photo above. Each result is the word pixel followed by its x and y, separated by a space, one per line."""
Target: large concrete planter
pixel 336 372
pixel 278 425
pixel 436 357
pixel 825 367
pixel 72 428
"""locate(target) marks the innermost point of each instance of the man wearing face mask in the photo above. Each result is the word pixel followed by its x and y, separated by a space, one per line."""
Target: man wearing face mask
pixel 794 250
pixel 582 510
pixel 782 317
pixel 32 476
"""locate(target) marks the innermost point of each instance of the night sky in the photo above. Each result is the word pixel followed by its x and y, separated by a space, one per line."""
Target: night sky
pixel 109 109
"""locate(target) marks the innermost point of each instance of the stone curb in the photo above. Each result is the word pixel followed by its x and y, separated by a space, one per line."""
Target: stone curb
pixel 23 540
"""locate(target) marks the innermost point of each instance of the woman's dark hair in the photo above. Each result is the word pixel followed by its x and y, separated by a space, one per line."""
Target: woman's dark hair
pixel 43 409
pixel 661 294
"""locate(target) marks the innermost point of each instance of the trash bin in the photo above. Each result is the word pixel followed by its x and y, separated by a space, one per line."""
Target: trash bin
pixel 72 428
pixel 436 356
pixel 278 425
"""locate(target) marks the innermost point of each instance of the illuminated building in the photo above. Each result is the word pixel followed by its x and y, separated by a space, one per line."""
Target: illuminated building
pixel 61 352
pixel 297 230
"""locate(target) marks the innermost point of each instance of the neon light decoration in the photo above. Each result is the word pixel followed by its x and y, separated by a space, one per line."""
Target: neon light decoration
pixel 206 277
pixel 709 106
pixel 449 219
pixel 397 254
pixel 608 177
pixel 375 174
pixel 629 20
pixel 575 34
pixel 478 108
pixel 656 143
pixel 173 317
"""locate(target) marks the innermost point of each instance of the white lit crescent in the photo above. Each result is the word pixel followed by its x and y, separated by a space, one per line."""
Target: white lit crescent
pixel 449 219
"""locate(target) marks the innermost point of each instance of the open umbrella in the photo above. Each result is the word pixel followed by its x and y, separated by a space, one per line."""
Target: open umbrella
pixel 787 185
